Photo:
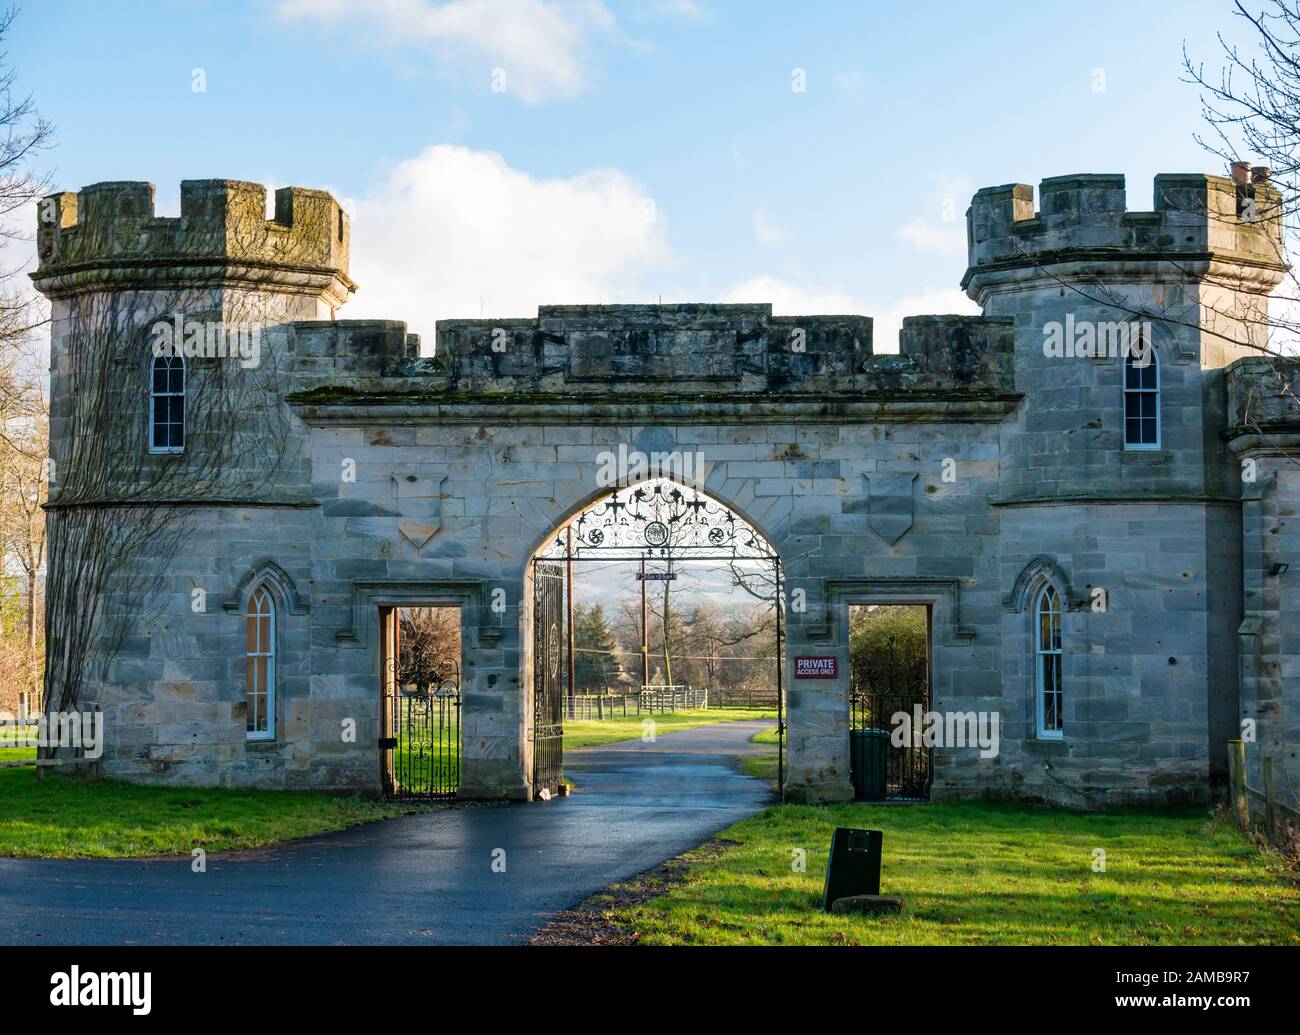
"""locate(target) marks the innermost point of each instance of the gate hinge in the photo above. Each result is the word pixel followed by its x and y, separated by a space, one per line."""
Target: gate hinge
pixel 387 742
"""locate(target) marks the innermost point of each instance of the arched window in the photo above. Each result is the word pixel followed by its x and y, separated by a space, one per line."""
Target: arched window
pixel 260 687
pixel 167 404
pixel 1142 400
pixel 1049 700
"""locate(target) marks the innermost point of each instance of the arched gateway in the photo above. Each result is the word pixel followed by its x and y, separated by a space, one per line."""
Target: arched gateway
pixel 228 600
pixel 663 525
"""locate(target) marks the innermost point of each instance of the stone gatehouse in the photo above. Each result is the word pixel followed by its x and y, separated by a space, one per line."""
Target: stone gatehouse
pixel 1098 570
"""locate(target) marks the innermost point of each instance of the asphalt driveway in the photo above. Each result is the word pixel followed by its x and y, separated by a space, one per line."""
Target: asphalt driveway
pixel 427 879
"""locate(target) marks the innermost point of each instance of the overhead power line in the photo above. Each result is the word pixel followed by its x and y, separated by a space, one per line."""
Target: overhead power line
pixel 678 657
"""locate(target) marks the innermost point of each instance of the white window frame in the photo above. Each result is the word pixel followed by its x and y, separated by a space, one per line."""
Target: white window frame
pixel 1041 654
pixel 1155 365
pixel 251 691
pixel 155 396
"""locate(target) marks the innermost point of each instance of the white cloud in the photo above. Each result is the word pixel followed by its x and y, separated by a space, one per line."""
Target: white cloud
pixel 945 230
pixel 455 232
pixel 940 301
pixel 541 46
pixel 928 236
pixel 676 9
pixel 790 299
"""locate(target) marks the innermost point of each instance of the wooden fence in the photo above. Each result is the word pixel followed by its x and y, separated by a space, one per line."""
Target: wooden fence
pixel 651 700
pixel 1241 794
pixel 745 697
pixel 67 757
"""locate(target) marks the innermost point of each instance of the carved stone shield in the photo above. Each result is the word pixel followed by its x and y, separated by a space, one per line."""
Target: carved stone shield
pixel 419 508
pixel 889 504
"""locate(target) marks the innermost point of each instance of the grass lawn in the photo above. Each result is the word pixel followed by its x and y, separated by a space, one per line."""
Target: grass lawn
pixel 974 874
pixel 429 761
pixel 73 818
pixel 580 733
pixel 762 766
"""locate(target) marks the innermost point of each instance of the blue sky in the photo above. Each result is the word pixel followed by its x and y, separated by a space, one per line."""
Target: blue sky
pixel 638 149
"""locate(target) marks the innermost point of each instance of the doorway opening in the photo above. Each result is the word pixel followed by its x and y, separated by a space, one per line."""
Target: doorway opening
pixel 889 670
pixel 420 702
pixel 655 600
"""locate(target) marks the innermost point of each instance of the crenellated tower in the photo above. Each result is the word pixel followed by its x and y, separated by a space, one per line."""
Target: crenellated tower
pixel 1193 275
pixel 175 459
pixel 1115 468
pixel 107 237
pixel 219 285
pixel 1080 277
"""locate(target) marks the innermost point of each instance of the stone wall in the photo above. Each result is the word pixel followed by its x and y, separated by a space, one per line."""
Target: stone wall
pixel 512 441
pixel 1265 430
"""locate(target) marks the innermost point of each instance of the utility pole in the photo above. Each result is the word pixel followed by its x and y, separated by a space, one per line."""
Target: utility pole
pixel 780 686
pixel 568 564
pixel 668 664
pixel 645 635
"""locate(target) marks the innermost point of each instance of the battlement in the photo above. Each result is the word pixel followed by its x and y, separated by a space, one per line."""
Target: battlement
pixel 728 347
pixel 222 224
pixel 1085 217
pixel 691 350
pixel 1261 395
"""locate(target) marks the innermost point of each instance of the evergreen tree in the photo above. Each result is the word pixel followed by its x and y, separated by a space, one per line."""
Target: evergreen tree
pixel 594 663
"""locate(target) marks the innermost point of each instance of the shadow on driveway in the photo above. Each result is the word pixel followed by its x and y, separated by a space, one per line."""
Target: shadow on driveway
pixel 418 879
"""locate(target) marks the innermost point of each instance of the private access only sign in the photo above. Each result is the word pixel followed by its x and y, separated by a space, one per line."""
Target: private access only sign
pixel 816 667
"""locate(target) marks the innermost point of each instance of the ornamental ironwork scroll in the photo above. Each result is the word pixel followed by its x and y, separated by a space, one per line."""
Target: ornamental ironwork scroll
pixel 659 519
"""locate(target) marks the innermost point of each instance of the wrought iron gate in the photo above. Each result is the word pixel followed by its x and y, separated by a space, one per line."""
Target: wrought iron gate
pixel 422 748
pixel 881 770
pixel 549 648
pixel 657 521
